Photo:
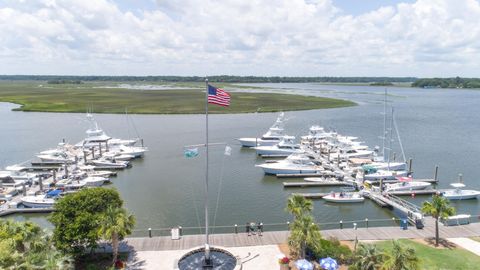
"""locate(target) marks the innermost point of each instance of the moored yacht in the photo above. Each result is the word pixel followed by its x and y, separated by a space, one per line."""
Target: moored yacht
pixel 294 164
pixel 285 147
pixel 407 185
pixel 384 174
pixel 271 137
pixel 344 197
pixel 41 201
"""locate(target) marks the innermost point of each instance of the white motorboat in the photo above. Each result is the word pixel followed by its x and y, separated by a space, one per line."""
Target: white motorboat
pixel 294 164
pixel 90 171
pixel 110 164
pixel 407 185
pixel 271 137
pixel 284 148
pixel 352 152
pixel 55 155
pixel 317 133
pixel 6 193
pixel 17 173
pixel 384 174
pixel 130 151
pixel 95 181
pixel 41 201
pixel 95 134
pixel 71 184
pixel 460 194
pixel 118 156
pixel 344 197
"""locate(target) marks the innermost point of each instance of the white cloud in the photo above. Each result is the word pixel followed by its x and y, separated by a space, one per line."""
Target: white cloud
pixel 277 37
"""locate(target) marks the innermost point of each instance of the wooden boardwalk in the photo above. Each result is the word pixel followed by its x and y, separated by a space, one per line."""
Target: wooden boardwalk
pixel 279 237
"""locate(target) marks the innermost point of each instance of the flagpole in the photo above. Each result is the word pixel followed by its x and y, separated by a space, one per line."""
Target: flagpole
pixel 207 248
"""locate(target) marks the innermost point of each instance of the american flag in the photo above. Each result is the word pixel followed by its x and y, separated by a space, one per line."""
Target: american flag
pixel 218 96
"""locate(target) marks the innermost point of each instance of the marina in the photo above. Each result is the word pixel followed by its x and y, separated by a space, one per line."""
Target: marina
pixel 142 186
pixel 64 170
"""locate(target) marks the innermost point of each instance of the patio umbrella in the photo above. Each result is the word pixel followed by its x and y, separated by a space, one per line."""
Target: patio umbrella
pixel 328 264
pixel 304 265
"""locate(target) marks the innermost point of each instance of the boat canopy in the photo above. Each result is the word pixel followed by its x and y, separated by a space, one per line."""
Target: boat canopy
pixel 457 185
pixel 54 193
pixel 368 169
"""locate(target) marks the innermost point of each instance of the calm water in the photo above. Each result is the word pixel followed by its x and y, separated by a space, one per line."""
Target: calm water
pixel 165 189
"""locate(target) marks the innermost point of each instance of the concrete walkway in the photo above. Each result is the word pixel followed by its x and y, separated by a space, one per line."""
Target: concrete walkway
pixel 252 258
pixel 467 243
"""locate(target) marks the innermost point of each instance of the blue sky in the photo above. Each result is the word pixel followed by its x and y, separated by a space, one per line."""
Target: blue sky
pixel 357 7
pixel 423 38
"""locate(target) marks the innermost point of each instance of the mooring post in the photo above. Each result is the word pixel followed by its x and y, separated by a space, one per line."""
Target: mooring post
pixel 84 157
pixel 236 228
pixel 410 161
pixel 141 141
pixel 435 176
pixel 66 169
pixel 100 148
pixel 366 223
pixel 40 182
pixel 288 225
pixel 54 175
pixel 460 178
pixel 150 232
pixel 341 224
pixel 92 149
pixel 393 219
pixel 24 189
pixel 394 156
pixel 180 230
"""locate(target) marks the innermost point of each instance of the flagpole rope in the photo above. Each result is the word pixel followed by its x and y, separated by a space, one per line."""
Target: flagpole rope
pixel 195 207
pixel 218 192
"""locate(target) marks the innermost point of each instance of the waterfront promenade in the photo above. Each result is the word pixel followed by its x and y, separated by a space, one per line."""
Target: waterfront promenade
pixel 280 237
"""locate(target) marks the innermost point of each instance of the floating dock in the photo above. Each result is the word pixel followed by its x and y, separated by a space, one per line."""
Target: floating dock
pixel 416 192
pixel 312 195
pixel 316 184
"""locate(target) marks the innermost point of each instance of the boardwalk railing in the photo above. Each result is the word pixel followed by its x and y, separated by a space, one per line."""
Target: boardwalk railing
pixel 260 227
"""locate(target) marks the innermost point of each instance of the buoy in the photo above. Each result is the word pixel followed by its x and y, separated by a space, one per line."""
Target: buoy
pixel 413 195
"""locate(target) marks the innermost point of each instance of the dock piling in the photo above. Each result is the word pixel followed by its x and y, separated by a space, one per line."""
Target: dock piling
pixel 366 223
pixel 460 178
pixel 394 156
pixel 24 189
pixel 40 182
pixel 435 176
pixel 150 232
pixel 341 224
pixel 410 162
pixel 236 229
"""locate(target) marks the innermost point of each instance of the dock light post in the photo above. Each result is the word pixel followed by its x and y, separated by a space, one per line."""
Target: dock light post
pixel 236 228
pixel 366 223
pixel 341 224
pixel 288 225
pixel 393 219
pixel 150 232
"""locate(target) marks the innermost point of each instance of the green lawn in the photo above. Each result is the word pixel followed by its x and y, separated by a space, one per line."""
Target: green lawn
pixel 101 99
pixel 440 259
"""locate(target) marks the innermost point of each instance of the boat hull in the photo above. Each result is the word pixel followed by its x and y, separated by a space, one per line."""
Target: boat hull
pixel 253 142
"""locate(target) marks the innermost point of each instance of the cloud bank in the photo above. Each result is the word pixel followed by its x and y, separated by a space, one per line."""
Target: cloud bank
pixel 207 37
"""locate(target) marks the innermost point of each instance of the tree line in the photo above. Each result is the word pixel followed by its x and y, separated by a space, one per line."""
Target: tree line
pixel 219 78
pixel 456 82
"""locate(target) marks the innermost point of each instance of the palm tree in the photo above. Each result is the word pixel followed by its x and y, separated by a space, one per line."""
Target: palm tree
pixel 115 224
pixel 297 205
pixel 438 208
pixel 304 232
pixel 400 258
pixel 368 257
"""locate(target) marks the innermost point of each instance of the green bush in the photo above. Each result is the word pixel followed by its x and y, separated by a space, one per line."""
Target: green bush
pixel 334 249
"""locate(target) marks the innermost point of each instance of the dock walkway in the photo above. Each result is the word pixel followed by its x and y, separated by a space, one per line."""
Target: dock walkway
pixel 279 237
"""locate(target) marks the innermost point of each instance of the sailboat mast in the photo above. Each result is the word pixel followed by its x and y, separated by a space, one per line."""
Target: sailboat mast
pixel 206 170
pixel 390 140
pixel 384 123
